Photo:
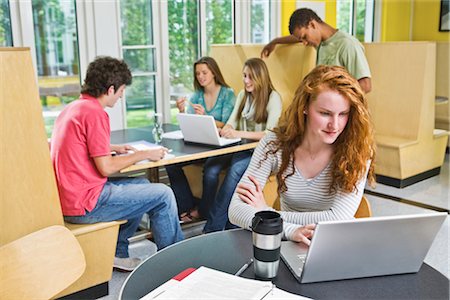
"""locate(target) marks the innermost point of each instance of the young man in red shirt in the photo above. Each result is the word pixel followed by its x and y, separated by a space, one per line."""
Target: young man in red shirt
pixel 81 156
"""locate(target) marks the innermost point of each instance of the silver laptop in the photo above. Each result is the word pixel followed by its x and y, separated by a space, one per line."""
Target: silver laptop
pixel 363 247
pixel 201 129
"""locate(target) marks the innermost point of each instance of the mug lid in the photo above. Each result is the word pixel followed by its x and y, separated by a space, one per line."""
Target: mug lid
pixel 267 222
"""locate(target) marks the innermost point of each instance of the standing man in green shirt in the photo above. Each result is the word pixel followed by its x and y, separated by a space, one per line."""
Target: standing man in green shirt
pixel 334 47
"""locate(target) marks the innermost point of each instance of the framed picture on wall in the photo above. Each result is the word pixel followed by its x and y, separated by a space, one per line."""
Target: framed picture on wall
pixel 444 20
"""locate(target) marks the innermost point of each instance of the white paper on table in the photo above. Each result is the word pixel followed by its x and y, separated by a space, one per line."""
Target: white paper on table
pixel 207 283
pixel 174 135
pixel 144 145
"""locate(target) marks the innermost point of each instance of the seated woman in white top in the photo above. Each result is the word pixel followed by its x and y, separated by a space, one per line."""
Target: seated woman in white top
pixel 321 153
pixel 257 109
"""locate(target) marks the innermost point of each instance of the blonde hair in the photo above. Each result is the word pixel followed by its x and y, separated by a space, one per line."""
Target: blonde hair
pixel 263 87
pixel 354 146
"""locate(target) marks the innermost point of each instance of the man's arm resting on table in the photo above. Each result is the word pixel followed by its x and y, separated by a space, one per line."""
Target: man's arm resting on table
pixel 365 84
pixel 108 164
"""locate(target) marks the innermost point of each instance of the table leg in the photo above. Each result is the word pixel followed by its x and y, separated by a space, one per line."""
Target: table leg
pixel 153 175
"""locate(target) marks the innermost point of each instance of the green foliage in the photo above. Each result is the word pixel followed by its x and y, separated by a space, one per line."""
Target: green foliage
pixel 5 24
pixel 52 25
pixel 183 40
pixel 136 22
pixel 343 15
pixel 257 19
pixel 218 22
pixel 360 20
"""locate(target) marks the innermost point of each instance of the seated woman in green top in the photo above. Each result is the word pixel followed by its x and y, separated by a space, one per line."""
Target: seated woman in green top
pixel 213 97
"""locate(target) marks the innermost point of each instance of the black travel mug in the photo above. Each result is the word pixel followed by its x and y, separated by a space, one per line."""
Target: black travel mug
pixel 267 229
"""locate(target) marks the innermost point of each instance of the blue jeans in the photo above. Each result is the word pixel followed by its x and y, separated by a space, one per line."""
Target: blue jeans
pixel 180 185
pixel 128 199
pixel 218 211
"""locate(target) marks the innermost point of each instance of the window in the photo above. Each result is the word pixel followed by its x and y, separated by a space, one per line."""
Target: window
pixel 139 53
pixel 57 59
pixel 5 25
pixel 356 18
pixel 260 22
pixel 184 48
pixel 219 22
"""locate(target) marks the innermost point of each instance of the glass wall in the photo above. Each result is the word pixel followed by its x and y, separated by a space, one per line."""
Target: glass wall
pixel 356 17
pixel 184 48
pixel 139 52
pixel 219 22
pixel 344 15
pixel 5 25
pixel 57 58
pixel 260 21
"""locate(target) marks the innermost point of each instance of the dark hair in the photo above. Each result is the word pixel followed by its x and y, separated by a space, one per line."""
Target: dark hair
pixel 103 72
pixel 213 67
pixel 301 18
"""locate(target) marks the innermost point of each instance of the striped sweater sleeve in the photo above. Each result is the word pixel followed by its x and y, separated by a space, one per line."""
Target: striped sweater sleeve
pixel 239 212
pixel 306 201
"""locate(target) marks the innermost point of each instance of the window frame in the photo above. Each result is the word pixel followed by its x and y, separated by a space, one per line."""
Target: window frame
pixel 99 33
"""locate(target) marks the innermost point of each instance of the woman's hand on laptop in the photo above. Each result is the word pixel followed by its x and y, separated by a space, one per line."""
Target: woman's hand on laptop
pixel 252 194
pixel 304 234
pixel 229 132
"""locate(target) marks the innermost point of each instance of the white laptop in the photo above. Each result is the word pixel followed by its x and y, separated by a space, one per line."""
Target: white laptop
pixel 363 247
pixel 201 129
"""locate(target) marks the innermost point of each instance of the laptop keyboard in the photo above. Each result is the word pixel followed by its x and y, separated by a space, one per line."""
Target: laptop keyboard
pixel 302 258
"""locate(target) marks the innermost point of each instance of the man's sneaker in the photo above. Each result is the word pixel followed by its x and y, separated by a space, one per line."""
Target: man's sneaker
pixel 126 264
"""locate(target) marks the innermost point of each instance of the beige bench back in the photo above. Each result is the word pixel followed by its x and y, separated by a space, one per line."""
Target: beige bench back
pixel 403 88
pixel 443 69
pixel 30 198
pixel 288 65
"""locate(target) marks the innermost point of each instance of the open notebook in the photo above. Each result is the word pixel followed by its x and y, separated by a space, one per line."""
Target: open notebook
pixel 206 283
pixel 144 145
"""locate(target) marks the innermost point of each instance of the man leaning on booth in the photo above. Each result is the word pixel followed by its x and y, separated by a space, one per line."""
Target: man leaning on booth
pixel 334 47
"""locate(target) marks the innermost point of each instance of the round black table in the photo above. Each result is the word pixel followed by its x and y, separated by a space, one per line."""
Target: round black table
pixel 228 250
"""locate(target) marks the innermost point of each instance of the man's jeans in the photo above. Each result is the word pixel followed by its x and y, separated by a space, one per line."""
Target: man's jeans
pixel 218 211
pixel 128 199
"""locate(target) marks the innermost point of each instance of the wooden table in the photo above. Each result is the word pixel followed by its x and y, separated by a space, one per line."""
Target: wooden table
pixel 183 152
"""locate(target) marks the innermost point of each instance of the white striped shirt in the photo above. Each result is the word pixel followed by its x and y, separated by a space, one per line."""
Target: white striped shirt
pixel 306 201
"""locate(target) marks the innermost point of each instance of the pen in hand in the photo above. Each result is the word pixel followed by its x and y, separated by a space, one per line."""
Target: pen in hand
pixel 244 267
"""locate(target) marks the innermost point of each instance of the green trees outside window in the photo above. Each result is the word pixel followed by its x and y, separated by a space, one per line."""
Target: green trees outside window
pixel 139 52
pixel 5 25
pixel 56 56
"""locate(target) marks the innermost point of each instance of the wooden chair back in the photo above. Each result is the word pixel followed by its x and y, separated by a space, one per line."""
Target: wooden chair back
pixel 443 69
pixel 40 264
pixel 364 210
pixel 403 89
pixel 287 65
pixel 30 199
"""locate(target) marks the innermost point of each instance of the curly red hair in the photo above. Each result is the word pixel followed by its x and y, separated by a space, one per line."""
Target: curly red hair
pixel 354 147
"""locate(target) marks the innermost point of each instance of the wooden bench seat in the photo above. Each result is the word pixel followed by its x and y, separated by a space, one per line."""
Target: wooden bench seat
pixel 30 199
pixel 402 107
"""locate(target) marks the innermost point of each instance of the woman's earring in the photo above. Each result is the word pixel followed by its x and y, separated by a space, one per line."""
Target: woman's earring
pixel 304 112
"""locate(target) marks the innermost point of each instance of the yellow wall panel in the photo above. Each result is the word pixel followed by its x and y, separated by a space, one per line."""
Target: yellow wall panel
pixel 395 20
pixel 426 21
